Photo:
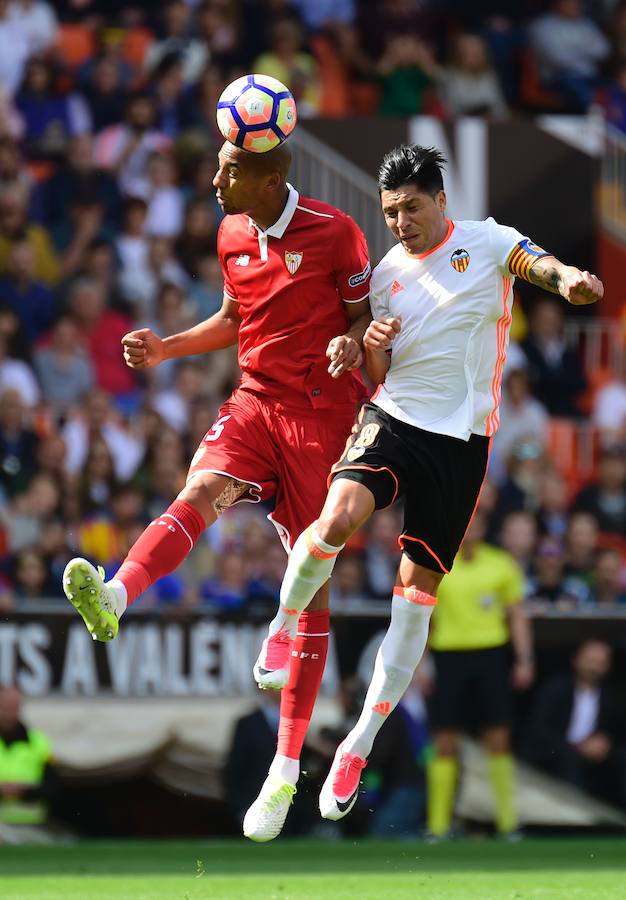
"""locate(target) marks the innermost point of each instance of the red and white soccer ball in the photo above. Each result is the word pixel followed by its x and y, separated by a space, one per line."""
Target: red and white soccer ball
pixel 256 112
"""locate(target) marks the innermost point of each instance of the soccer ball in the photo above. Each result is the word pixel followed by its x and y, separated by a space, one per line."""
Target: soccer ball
pixel 256 112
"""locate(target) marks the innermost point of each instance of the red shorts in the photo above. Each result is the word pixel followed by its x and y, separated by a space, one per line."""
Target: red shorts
pixel 278 452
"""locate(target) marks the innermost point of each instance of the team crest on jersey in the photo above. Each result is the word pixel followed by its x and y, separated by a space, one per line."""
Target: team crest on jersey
pixel 460 260
pixel 293 261
pixel 354 453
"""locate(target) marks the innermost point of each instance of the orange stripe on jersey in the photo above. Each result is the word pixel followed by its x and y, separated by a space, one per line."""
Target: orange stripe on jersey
pixel 493 419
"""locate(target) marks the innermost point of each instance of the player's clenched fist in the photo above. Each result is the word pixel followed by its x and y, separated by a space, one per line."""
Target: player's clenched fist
pixel 380 333
pixel 143 349
pixel 344 354
pixel 581 288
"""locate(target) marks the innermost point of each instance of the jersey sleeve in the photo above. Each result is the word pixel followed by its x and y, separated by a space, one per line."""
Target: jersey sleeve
pixel 513 253
pixel 352 263
pixel 229 288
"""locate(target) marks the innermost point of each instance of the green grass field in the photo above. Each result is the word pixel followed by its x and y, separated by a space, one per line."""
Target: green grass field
pixel 176 870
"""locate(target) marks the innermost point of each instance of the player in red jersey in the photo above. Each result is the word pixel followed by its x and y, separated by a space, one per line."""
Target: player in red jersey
pixel 296 280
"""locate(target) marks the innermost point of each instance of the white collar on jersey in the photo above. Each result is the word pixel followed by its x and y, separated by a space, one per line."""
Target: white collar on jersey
pixel 279 227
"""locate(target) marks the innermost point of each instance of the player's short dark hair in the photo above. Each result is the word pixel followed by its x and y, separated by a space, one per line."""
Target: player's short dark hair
pixel 412 164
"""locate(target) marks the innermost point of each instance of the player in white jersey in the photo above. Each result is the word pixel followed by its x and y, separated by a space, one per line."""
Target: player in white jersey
pixel 441 300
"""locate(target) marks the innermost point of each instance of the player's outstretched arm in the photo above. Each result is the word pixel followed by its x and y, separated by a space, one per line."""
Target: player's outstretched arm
pixel 578 288
pixel 144 349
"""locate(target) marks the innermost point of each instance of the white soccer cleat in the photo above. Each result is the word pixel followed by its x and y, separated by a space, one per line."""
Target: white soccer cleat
pixel 265 819
pixel 271 670
pixel 86 590
pixel 341 788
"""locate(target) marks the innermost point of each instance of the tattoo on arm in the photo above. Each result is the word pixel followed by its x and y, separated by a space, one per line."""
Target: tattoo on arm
pixel 545 273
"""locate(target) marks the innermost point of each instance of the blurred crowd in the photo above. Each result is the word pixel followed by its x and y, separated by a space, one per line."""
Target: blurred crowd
pixel 108 222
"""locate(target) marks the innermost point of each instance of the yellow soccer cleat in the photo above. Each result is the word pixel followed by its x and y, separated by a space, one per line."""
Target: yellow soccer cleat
pixel 265 819
pixel 86 590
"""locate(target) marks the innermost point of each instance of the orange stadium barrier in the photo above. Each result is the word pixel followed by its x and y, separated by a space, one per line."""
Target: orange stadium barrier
pixel 75 45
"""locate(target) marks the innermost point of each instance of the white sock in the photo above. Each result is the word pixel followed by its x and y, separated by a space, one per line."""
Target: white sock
pixel 284 768
pixel 118 590
pixel 310 565
pixel 396 661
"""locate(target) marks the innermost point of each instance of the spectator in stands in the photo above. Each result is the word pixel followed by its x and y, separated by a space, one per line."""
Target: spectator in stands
pixel 609 410
pixel 96 417
pixel 227 590
pixel 173 405
pixel 217 29
pixel 555 372
pixel 549 584
pixel 349 583
pixel 569 48
pixel 605 498
pixel 33 580
pixel 18 376
pixel 553 512
pixel 64 367
pixel 168 90
pixel 51 453
pixel 407 70
pixel 478 621
pixel 100 264
pixel 105 92
pixel 102 330
pixel 518 537
pixel 381 556
pixel 14 226
pixel 206 290
pixel 576 727
pixel 13 170
pixel 14 48
pixel 527 467
pixel 581 545
pixel 165 202
pixel 33 303
pixel 198 236
pixel 51 116
pixel 469 86
pixel 287 61
pixel 199 102
pixel 28 781
pixel 265 586
pixel 123 149
pixel 177 38
pixel 97 480
pixel 132 249
pixel 78 179
pixel 608 584
pixel 381 20
pixel 317 14
pixel 38 22
pixel 522 418
pixel 18 445
pixel 29 513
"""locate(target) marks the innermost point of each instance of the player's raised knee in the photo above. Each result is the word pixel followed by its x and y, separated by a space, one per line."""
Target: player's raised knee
pixel 336 527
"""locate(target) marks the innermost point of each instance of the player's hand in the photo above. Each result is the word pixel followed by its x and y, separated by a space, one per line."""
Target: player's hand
pixel 522 676
pixel 344 354
pixel 581 288
pixel 143 349
pixel 381 333
pixel 596 747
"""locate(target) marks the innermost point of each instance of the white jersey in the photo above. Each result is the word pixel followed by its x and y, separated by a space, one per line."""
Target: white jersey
pixel 455 306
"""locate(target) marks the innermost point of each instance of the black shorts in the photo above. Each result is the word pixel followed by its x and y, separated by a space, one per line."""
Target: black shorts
pixel 472 689
pixel 438 476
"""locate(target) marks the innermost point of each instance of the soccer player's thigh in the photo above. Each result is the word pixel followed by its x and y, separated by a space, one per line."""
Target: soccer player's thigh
pixel 447 704
pixel 441 496
pixel 493 698
pixel 373 456
pixel 308 447
pixel 238 445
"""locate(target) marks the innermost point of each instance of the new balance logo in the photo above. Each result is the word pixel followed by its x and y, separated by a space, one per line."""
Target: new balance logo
pixel 396 287
pixel 382 708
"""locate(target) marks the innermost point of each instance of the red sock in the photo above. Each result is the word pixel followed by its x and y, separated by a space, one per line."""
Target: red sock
pixel 307 667
pixel 160 548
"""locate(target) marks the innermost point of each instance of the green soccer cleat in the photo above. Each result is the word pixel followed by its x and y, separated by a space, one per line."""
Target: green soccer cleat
pixel 85 589
pixel 265 819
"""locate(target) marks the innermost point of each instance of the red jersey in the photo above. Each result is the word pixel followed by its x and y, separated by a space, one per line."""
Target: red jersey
pixel 291 283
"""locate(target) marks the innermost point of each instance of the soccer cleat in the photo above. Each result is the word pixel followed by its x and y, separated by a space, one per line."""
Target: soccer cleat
pixel 85 589
pixel 271 669
pixel 341 788
pixel 265 819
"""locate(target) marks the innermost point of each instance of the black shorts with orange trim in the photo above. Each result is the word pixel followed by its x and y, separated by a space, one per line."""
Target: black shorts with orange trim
pixel 438 476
